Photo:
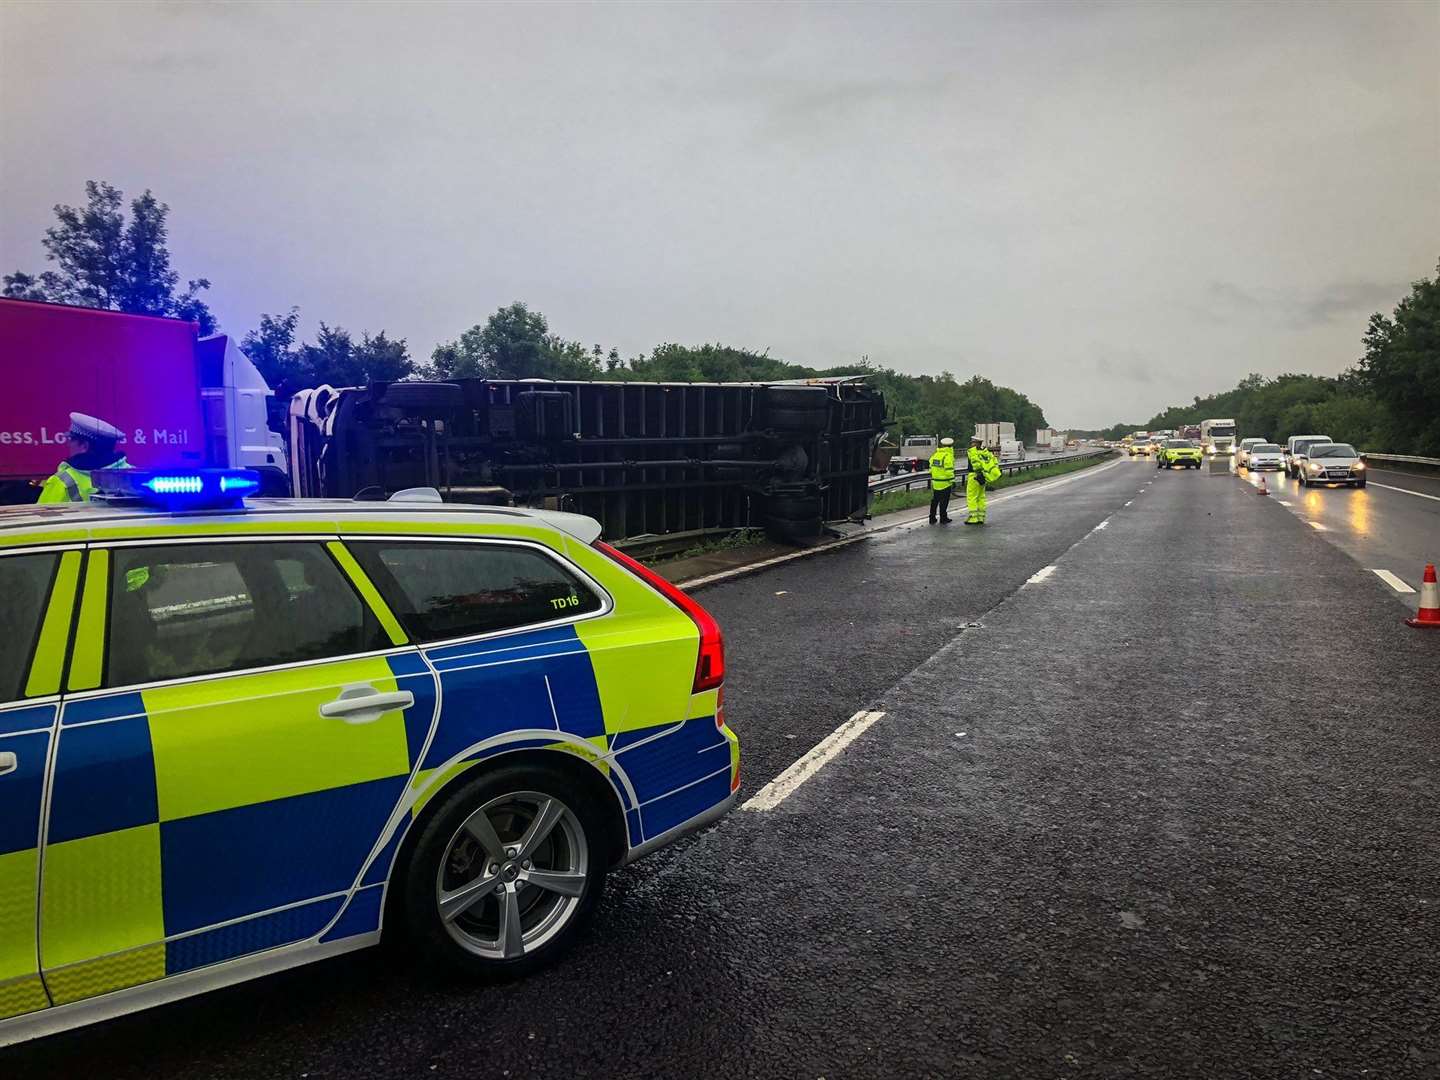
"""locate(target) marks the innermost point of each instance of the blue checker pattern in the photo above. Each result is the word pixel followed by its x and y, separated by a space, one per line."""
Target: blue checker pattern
pixel 208 861
pixel 104 779
pixel 103 708
pixel 413 674
pixel 682 805
pixel 361 916
pixel 490 687
pixel 250 935
pixel 661 765
pixel 27 718
pixel 20 807
pixel 379 870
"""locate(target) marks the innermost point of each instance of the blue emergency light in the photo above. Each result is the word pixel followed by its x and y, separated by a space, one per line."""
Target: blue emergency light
pixel 177 489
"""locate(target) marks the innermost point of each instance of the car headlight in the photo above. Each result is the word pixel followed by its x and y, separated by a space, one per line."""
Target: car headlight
pixel 1358 465
pixel 1315 466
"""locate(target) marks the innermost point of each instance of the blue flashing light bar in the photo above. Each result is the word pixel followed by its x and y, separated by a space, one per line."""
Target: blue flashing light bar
pixel 178 489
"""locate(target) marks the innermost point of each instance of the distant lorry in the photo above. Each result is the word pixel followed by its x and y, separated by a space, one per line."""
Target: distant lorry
pixel 180 399
pixel 1217 436
pixel 1000 439
pixel 914 454
pixel 1048 440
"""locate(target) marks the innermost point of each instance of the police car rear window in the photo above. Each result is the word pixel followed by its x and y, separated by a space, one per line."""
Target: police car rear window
pixel 24 586
pixel 440 591
pixel 197 609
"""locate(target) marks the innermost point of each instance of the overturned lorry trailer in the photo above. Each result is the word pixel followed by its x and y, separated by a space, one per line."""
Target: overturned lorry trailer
pixel 639 457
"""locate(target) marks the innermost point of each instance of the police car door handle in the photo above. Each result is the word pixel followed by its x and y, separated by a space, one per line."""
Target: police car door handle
pixel 362 703
pixel 8 762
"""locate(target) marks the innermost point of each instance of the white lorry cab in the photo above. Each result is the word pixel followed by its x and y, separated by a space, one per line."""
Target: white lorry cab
pixel 1217 436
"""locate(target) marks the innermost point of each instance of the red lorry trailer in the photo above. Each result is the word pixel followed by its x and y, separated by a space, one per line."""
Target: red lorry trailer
pixel 180 399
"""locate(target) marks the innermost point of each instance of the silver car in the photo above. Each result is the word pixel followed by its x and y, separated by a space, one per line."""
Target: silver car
pixel 1264 455
pixel 1242 451
pixel 1332 463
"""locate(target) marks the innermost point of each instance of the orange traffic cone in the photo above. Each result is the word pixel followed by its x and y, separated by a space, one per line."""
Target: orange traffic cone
pixel 1263 489
pixel 1429 614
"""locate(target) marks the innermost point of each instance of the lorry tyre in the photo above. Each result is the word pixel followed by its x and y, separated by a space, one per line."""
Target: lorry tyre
pixel 799 398
pixel 797 408
pixel 424 395
pixel 793 507
pixel 797 420
pixel 782 528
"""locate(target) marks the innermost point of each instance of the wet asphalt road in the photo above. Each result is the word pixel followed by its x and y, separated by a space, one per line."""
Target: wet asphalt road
pixel 1393 524
pixel 1150 853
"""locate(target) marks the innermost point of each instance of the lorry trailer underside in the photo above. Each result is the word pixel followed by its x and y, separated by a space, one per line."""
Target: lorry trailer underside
pixel 641 458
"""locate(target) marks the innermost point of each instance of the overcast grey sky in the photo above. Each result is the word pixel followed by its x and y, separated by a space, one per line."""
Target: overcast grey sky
pixel 1111 207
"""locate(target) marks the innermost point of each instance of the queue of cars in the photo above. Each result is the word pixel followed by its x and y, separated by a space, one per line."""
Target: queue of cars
pixel 1310 459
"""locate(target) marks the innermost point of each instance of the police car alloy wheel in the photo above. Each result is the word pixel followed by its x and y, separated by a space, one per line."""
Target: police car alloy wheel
pixel 505 873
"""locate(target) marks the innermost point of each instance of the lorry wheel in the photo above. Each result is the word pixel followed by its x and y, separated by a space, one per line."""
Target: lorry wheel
pixel 782 528
pixel 797 408
pixel 794 507
pixel 797 420
pixel 424 395
pixel 808 398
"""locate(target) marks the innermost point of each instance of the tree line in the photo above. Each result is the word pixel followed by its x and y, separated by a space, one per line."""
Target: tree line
pixel 1388 401
pixel 105 260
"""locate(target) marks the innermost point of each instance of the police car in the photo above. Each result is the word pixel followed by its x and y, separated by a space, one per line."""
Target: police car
pixel 238 736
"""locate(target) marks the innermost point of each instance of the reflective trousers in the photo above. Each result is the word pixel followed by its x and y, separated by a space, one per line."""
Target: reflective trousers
pixel 974 498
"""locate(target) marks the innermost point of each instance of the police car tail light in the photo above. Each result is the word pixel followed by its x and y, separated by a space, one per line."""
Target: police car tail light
pixel 177 489
pixel 710 664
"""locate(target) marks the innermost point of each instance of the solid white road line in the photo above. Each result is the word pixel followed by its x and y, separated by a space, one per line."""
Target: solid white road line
pixel 1102 524
pixel 1317 526
pixel 1282 502
pixel 826 750
pixel 1036 488
pixel 1407 491
pixel 1040 575
pixel 1391 580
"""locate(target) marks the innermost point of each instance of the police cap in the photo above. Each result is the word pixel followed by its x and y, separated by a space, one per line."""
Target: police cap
pixel 947 441
pixel 93 429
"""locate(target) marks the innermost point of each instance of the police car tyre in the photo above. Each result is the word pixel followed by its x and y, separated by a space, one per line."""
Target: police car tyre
pixel 424 395
pixel 506 873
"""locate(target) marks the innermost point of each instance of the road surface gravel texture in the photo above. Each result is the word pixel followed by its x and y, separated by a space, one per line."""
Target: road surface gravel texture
pixel 1168 812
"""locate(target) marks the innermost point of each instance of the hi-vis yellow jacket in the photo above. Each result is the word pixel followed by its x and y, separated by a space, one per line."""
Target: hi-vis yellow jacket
pixel 942 468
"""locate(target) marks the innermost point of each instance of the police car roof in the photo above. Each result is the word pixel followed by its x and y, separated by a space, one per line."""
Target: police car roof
pixel 96 513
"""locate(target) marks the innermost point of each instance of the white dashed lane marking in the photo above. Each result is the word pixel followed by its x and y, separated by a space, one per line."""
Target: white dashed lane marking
pixel 1040 575
pixel 1391 580
pixel 1317 526
pixel 826 750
